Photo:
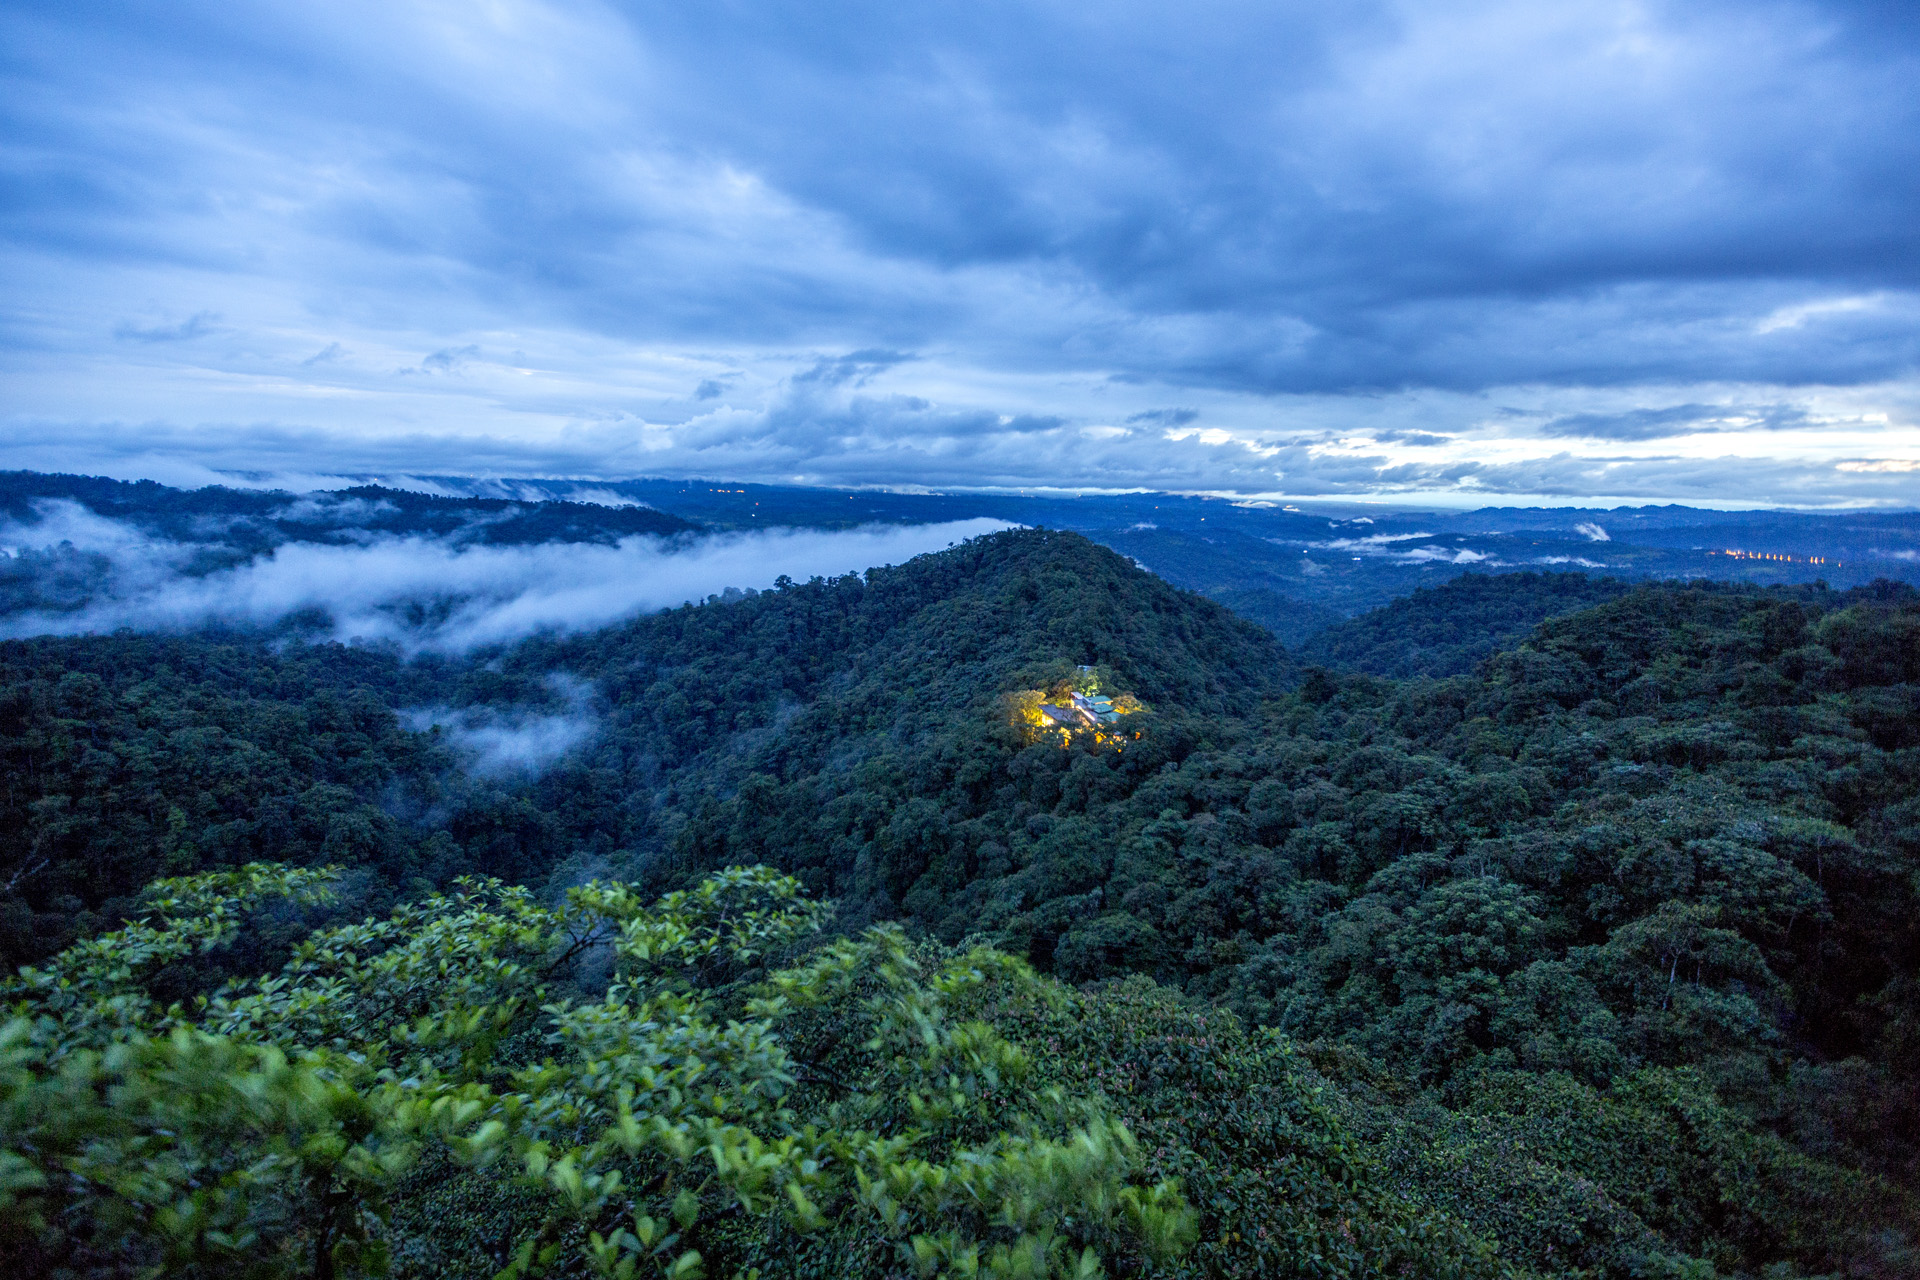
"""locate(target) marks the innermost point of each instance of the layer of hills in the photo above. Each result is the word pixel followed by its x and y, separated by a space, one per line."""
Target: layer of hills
pixel 1588 952
pixel 255 520
pixel 1298 569
pixel 1293 571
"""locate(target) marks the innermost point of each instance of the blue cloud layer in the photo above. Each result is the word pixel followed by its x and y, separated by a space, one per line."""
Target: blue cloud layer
pixel 981 243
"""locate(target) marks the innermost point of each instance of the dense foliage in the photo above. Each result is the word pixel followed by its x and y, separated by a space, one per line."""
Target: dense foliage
pixel 133 756
pixel 667 1130
pixel 1447 630
pixel 1600 955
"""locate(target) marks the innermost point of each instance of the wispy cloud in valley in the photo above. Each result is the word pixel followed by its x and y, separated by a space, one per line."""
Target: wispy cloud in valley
pixel 428 594
pixel 501 741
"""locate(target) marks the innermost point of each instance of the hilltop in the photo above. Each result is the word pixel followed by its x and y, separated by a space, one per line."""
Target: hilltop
pixel 242 746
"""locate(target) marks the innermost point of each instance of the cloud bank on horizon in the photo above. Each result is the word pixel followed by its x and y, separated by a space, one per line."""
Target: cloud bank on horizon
pixel 1496 249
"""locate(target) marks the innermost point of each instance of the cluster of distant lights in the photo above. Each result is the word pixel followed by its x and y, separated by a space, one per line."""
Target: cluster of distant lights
pixel 754 514
pixel 1770 555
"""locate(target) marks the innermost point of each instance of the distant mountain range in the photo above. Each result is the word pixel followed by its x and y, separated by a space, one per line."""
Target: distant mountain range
pixel 1295 570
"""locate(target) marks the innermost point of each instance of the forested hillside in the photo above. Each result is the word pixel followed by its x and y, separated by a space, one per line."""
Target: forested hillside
pixel 863 697
pixel 1446 630
pixel 1595 957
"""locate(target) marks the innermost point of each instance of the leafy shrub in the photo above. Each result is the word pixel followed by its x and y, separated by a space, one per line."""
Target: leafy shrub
pixel 667 1128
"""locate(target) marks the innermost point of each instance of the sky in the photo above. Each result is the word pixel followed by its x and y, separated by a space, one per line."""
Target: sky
pixel 1479 253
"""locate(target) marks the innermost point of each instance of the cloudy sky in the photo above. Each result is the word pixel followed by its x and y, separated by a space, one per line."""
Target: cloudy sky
pixel 1437 252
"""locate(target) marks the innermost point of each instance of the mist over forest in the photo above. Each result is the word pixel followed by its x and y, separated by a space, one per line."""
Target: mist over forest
pixel 374 565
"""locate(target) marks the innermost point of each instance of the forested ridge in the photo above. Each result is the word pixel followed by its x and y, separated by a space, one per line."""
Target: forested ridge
pixel 252 520
pixel 206 531
pixel 1448 630
pixel 1595 956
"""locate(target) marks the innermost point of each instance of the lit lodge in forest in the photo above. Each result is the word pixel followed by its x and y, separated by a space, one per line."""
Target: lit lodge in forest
pixel 1076 709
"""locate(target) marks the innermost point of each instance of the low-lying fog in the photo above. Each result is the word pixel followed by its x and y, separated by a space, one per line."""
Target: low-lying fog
pixel 419 592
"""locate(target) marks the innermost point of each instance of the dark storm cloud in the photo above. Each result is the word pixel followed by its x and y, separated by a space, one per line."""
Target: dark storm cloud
pixel 1379 182
pixel 1366 196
